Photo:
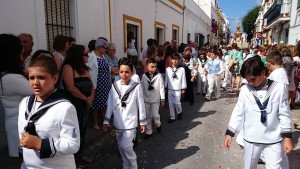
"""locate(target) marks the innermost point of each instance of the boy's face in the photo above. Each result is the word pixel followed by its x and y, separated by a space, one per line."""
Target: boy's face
pixel 152 67
pixel 125 73
pixel 212 55
pixel 174 62
pixel 41 82
pixel 256 81
pixel 201 56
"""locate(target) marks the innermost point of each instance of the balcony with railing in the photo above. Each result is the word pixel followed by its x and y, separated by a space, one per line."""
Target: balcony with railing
pixel 279 12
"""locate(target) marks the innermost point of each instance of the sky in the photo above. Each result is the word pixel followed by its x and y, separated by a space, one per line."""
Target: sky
pixel 236 10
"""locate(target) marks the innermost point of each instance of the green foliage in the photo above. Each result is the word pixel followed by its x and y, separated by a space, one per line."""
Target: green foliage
pixel 249 20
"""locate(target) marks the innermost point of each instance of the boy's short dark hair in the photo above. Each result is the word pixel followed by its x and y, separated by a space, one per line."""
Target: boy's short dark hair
pixel 275 58
pixel 187 57
pixel 252 67
pixel 45 62
pixel 175 56
pixel 150 60
pixel 125 61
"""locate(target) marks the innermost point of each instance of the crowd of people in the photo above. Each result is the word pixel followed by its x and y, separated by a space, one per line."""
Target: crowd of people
pixel 114 90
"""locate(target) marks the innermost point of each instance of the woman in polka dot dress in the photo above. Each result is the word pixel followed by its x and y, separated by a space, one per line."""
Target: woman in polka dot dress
pixel 100 74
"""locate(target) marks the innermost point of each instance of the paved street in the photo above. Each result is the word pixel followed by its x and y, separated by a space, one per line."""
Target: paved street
pixel 194 142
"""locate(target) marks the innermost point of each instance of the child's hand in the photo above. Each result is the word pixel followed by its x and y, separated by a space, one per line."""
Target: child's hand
pixel 227 142
pixel 287 145
pixel 162 104
pixel 30 141
pixel 182 91
pixel 143 128
pixel 105 128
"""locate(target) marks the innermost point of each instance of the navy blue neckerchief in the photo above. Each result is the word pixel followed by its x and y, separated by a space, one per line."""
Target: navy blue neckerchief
pixel 203 61
pixel 263 106
pixel 174 72
pixel 54 98
pixel 126 95
pixel 150 80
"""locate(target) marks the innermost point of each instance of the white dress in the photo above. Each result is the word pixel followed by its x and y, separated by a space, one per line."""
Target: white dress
pixel 13 88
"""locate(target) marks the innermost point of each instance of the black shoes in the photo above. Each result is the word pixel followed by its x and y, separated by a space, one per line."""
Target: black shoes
pixel 158 129
pixel 147 136
pixel 179 116
pixel 171 120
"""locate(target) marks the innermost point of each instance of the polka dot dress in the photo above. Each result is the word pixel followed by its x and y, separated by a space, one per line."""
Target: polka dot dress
pixel 103 85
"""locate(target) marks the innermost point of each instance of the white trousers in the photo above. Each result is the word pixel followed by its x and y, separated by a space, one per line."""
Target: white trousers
pixel 272 155
pixel 201 83
pixel 174 102
pixel 226 77
pixel 152 113
pixel 214 83
pixel 124 138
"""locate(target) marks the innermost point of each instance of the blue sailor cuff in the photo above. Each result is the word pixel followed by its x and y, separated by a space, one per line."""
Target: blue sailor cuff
pixel 230 133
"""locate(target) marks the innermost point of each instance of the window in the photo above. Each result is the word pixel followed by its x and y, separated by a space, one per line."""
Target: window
pixel 58 22
pixel 175 32
pixel 160 32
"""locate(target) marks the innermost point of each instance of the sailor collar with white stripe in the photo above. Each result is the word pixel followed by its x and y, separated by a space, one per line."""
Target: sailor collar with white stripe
pixel 54 98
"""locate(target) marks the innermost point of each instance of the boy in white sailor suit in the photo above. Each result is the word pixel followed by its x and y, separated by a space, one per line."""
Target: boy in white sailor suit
pixel 263 110
pixel 175 82
pixel 215 69
pixel 154 92
pixel 126 103
pixel 201 79
pixel 48 125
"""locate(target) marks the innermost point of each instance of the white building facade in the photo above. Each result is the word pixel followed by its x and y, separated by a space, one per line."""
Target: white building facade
pixel 112 19
pixel 294 33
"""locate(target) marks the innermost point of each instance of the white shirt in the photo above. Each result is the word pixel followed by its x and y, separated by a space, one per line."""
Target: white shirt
pixel 247 112
pixel 58 128
pixel 279 75
pixel 158 93
pixel 178 83
pixel 126 117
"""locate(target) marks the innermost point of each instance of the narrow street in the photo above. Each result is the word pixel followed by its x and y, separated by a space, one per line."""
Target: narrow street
pixel 194 142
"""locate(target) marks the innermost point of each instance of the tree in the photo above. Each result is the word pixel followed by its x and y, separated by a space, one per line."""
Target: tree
pixel 248 22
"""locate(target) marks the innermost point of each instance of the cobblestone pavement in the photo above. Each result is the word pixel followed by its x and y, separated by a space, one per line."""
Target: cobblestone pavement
pixel 196 141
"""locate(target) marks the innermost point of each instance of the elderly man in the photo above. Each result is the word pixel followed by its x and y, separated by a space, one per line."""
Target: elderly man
pixel 27 43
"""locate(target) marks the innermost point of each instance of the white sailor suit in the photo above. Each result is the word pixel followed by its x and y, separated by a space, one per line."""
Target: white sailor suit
pixel 154 93
pixel 175 82
pixel 214 67
pixel 58 128
pixel 265 116
pixel 126 103
pixel 201 79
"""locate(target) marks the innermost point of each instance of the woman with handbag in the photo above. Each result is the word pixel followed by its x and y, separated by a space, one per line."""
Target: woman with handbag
pixel 235 64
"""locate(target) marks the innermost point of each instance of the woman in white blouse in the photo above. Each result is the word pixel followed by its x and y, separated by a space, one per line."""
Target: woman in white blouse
pixel 13 87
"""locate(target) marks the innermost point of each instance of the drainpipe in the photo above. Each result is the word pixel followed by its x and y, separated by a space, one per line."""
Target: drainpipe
pixel 183 19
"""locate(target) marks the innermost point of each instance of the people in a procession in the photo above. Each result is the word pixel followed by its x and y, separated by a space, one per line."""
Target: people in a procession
pixel 175 83
pixel 79 90
pixel 126 104
pixel 202 74
pixel 47 122
pixel 215 69
pixel 154 96
pixel 112 60
pixel 13 87
pixel 61 45
pixel 100 75
pixel 27 44
pixel 267 132
pixel 190 77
